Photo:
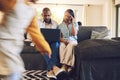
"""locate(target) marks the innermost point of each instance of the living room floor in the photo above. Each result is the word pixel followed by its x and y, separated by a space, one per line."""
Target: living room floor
pixel 35 75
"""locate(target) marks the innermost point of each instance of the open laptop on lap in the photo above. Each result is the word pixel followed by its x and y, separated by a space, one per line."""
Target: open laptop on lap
pixel 51 35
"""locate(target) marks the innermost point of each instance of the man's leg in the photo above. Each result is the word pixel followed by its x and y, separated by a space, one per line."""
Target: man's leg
pixel 54 60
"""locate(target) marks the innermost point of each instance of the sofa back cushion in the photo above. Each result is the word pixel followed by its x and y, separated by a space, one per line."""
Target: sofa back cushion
pixel 85 32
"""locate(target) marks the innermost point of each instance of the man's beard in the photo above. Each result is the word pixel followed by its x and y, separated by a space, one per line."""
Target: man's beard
pixel 47 21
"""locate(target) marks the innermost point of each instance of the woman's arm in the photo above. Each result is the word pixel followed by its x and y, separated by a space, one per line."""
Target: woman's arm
pixel 63 40
pixel 74 30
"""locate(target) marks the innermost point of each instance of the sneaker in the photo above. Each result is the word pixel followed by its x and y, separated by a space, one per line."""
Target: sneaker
pixel 57 70
pixel 60 73
pixel 50 74
pixel 62 76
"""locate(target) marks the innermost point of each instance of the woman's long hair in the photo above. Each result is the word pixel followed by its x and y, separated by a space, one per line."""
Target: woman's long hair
pixel 70 11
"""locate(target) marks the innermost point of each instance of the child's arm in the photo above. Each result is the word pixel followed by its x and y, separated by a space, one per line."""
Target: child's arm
pixel 38 38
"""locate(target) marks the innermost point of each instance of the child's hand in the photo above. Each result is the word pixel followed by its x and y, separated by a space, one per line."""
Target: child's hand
pixel 46 53
pixel 49 55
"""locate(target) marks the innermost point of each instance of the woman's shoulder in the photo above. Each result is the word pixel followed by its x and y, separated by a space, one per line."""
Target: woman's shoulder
pixel 61 24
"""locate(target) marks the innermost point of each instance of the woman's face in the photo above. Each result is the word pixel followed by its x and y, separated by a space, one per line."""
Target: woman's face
pixel 67 17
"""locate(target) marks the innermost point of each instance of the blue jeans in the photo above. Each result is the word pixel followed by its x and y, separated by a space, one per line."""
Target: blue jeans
pixel 54 60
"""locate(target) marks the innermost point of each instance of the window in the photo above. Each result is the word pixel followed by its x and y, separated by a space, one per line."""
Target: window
pixel 118 20
pixel 59 9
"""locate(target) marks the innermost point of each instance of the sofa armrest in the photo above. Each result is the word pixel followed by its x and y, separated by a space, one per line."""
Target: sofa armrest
pixel 33 60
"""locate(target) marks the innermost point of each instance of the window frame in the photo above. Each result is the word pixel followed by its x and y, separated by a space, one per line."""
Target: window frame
pixel 117 20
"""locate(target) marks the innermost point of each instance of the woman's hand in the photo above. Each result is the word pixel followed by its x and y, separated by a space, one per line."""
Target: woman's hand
pixel 73 20
pixel 66 42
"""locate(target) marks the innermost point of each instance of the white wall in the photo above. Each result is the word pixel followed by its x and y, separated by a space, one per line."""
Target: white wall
pixel 109 16
pixel 94 15
pixel 117 2
pixel 73 1
pixel 58 11
pixel 100 12
pixel 103 11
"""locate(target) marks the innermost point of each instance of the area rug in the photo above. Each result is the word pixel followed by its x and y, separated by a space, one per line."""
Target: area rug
pixel 35 75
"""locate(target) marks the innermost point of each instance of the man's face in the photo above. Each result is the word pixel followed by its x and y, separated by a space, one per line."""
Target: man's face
pixel 47 16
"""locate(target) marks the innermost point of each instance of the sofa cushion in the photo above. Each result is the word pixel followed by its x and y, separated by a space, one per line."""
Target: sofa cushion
pixel 100 35
pixel 97 48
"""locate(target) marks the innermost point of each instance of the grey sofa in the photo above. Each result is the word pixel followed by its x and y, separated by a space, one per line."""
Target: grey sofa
pixel 34 60
pixel 86 55
pixel 35 64
pixel 96 59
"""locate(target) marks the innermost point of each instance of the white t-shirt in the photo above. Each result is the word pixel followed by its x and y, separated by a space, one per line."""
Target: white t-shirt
pixel 52 25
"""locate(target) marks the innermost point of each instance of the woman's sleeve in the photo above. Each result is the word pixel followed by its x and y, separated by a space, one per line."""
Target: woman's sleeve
pixel 37 37
pixel 76 26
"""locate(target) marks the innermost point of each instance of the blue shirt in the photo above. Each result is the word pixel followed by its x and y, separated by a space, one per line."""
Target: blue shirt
pixel 67 31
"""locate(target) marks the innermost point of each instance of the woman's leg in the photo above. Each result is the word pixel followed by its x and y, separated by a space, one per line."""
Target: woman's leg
pixel 69 54
pixel 62 50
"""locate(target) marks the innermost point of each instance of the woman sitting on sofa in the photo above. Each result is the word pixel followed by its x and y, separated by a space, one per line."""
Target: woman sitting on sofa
pixel 68 40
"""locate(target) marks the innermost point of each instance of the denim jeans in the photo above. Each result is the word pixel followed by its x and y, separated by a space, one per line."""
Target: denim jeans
pixel 54 60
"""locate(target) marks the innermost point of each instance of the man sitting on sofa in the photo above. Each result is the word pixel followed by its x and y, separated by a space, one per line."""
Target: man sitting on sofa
pixel 47 22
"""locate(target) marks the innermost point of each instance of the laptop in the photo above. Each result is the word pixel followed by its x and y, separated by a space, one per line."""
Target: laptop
pixel 51 35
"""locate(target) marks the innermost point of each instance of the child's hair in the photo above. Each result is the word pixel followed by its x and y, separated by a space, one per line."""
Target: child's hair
pixel 33 1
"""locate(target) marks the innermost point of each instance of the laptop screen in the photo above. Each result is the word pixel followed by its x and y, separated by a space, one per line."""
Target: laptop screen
pixel 51 35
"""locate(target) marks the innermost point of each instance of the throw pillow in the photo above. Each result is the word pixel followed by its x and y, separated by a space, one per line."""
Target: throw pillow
pixel 99 35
